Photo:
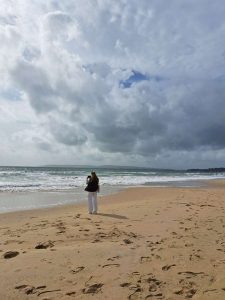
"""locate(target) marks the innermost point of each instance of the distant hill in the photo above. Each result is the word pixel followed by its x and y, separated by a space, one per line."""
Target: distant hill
pixel 209 170
pixel 112 167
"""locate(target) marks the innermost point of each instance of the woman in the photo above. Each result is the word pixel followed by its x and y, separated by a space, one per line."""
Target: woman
pixel 92 189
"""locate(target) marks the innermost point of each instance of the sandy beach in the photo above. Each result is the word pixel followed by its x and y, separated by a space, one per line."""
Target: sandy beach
pixel 145 243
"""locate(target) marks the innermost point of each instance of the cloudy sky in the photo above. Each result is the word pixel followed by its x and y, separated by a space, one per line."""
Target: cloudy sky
pixel 121 82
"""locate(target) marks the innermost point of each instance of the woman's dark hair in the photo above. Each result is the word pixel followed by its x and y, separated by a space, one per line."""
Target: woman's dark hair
pixel 94 176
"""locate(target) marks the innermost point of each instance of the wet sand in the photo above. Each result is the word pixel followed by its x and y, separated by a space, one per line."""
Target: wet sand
pixel 145 243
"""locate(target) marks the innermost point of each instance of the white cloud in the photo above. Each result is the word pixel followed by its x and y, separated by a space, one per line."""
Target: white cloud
pixel 62 63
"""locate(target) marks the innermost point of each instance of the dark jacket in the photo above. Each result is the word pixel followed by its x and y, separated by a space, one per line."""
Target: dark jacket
pixel 92 186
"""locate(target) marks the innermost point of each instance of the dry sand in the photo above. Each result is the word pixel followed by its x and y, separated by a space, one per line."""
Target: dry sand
pixel 145 243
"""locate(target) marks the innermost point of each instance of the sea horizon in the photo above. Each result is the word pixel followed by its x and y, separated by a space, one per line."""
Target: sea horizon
pixel 106 166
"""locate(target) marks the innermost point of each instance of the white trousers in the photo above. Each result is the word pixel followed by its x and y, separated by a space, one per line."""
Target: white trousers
pixel 92 202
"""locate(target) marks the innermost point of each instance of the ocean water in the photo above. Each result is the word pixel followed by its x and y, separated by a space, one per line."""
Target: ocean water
pixel 34 187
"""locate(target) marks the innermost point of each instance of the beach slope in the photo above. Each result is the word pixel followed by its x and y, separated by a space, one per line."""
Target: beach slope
pixel 145 243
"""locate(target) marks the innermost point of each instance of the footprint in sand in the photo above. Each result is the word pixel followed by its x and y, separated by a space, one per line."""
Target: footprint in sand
pixel 77 270
pixel 136 290
pixel 93 289
pixel 110 265
pixel 195 255
pixel 147 283
pixel 44 245
pixel 71 293
pixel 125 284
pixel 29 290
pixel 190 274
pixel 10 254
pixel 167 267
pixel 135 273
pixel 188 289
pixel 127 241
pixel 113 258
pixel 12 241
pixel 144 259
pixel 187 229
pixel 96 241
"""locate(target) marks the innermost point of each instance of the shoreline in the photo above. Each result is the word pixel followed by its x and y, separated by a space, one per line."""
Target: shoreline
pixel 75 199
pixel 49 199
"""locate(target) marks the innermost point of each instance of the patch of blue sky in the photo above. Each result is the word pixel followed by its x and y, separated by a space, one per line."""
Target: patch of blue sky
pixel 137 77
pixel 134 78
pixel 10 94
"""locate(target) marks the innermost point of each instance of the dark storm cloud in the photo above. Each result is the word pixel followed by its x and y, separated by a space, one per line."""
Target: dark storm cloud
pixel 34 81
pixel 67 134
pixel 194 120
